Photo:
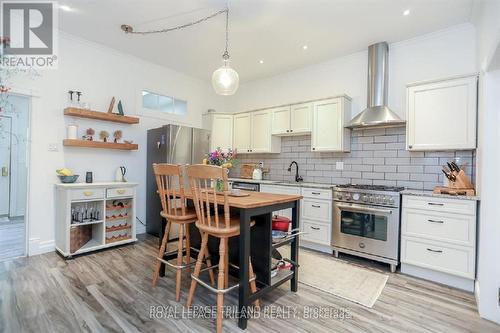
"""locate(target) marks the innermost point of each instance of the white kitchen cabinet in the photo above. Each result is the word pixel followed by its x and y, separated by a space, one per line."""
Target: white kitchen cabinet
pixel 276 189
pixel 242 132
pixel 95 216
pixel 301 118
pixel 221 127
pixel 441 115
pixel 261 131
pixel 328 127
pixel 438 239
pixel 292 120
pixel 281 120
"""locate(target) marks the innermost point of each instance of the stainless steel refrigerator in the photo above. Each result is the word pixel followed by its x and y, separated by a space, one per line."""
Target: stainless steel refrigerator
pixel 170 144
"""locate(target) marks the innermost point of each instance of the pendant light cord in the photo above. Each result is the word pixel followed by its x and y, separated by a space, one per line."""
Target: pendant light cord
pixel 225 56
pixel 129 30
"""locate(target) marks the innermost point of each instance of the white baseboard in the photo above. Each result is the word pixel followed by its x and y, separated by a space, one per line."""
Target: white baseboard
pixel 37 247
pixel 315 246
pixel 439 277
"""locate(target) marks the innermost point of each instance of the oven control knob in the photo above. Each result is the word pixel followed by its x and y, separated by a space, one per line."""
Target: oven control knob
pixel 372 198
pixel 385 200
pixel 391 201
pixel 348 196
pixel 364 198
pixel 362 245
pixel 355 196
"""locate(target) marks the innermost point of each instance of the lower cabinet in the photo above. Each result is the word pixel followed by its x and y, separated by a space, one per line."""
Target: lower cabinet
pixel 438 240
pixel 315 214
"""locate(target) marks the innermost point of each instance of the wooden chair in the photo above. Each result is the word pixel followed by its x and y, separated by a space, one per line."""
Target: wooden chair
pixel 216 222
pixel 170 182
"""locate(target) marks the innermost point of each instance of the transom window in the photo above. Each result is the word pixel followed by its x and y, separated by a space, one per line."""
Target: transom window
pixel 165 104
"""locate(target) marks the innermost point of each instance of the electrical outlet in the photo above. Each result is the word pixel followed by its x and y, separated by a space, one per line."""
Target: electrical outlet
pixel 53 147
pixel 339 165
pixel 261 164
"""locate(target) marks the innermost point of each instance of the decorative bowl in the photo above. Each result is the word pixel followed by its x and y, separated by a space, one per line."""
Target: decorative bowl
pixel 68 179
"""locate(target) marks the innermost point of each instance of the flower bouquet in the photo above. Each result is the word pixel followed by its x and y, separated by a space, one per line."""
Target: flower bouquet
pixel 226 160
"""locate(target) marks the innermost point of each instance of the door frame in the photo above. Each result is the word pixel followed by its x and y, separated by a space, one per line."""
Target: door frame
pixel 10 163
pixel 30 94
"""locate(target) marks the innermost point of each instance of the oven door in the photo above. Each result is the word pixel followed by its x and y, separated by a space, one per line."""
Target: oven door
pixel 367 229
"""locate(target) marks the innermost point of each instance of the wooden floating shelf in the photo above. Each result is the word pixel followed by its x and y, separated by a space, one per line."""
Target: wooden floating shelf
pixel 113 117
pixel 100 144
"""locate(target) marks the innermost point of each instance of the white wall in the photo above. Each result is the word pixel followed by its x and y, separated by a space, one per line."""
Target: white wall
pixel 440 54
pixel 99 73
pixel 487 20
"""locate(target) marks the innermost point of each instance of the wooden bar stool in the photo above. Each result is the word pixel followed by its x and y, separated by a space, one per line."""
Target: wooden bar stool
pixel 203 179
pixel 170 182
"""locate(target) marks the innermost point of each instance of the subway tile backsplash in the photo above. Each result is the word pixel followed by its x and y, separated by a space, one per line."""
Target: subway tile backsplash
pixel 378 157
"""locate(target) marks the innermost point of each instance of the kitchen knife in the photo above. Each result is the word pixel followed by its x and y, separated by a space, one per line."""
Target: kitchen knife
pixel 450 176
pixel 455 166
pixel 450 166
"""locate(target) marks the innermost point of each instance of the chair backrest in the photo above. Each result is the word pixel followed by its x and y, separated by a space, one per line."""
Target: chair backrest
pixel 170 182
pixel 203 180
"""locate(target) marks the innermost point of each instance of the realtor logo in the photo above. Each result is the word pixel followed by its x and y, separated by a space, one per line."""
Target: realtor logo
pixel 29 33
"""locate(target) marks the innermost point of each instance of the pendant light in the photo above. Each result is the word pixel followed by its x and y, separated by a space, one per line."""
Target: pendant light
pixel 225 80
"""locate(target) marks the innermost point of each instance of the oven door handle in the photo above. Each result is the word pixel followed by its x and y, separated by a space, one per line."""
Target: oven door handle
pixel 364 209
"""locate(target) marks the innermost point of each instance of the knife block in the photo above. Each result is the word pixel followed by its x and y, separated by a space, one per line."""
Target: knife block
pixel 461 186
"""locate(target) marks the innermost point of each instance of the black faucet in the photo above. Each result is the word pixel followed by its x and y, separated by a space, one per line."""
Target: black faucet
pixel 297 177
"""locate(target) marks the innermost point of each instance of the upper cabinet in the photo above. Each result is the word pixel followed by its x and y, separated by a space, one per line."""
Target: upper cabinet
pixel 221 127
pixel 441 115
pixel 328 121
pixel 301 118
pixel 292 119
pixel 243 132
pixel 262 139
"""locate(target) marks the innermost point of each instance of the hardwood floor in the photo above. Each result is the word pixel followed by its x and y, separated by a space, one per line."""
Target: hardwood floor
pixel 111 291
pixel 12 238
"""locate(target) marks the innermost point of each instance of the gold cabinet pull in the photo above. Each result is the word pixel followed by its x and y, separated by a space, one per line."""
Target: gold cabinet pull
pixel 88 193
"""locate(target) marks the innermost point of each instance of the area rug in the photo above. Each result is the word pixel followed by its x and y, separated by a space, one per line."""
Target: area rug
pixel 356 284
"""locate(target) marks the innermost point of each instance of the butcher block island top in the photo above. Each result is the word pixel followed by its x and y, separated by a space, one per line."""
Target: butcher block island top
pixel 253 199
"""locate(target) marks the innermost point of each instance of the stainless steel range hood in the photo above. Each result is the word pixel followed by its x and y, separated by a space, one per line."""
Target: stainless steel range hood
pixel 377 114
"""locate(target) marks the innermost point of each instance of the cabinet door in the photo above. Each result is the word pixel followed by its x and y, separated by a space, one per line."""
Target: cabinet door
pixel 442 115
pixel 327 126
pixel 242 132
pixel 222 132
pixel 281 120
pixel 301 118
pixel 261 131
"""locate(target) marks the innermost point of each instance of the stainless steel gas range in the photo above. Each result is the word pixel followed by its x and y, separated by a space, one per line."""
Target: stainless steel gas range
pixel 366 222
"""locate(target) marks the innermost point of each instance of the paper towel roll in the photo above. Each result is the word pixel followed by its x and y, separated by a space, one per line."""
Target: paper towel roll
pixel 72 132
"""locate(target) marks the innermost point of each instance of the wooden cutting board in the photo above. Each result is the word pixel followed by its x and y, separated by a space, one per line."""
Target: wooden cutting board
pixel 246 170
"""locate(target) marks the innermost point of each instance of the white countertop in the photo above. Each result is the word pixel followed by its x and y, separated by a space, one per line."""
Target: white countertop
pixel 101 184
pixel 282 183
pixel 436 195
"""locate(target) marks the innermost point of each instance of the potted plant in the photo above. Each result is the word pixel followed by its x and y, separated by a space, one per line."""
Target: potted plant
pixel 90 134
pixel 226 160
pixel 117 135
pixel 104 135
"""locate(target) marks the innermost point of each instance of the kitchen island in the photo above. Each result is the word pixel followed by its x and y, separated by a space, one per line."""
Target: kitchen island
pixel 257 242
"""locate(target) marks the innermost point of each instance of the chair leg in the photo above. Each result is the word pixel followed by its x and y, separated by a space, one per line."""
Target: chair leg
pixel 226 276
pixel 156 273
pixel 210 271
pixel 253 284
pixel 197 268
pixel 188 246
pixel 179 262
pixel 221 281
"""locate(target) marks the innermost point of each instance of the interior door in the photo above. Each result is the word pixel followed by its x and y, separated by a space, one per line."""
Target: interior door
pixel 5 149
pixel 242 132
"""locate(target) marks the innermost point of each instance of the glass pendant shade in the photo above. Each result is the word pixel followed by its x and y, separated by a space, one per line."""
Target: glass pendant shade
pixel 225 80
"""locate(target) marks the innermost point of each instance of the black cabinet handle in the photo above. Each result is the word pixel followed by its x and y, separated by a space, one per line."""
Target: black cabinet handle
pixel 316 206
pixel 315 193
pixel 291 130
pixel 314 148
pixel 435 204
pixel 435 251
pixel 436 221
pixel 315 228
pixel 287 131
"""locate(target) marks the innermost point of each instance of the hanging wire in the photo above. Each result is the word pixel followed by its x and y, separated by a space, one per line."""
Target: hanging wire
pixel 129 30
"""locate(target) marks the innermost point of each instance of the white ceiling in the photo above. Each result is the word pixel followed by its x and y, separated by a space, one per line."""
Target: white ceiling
pixel 271 30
